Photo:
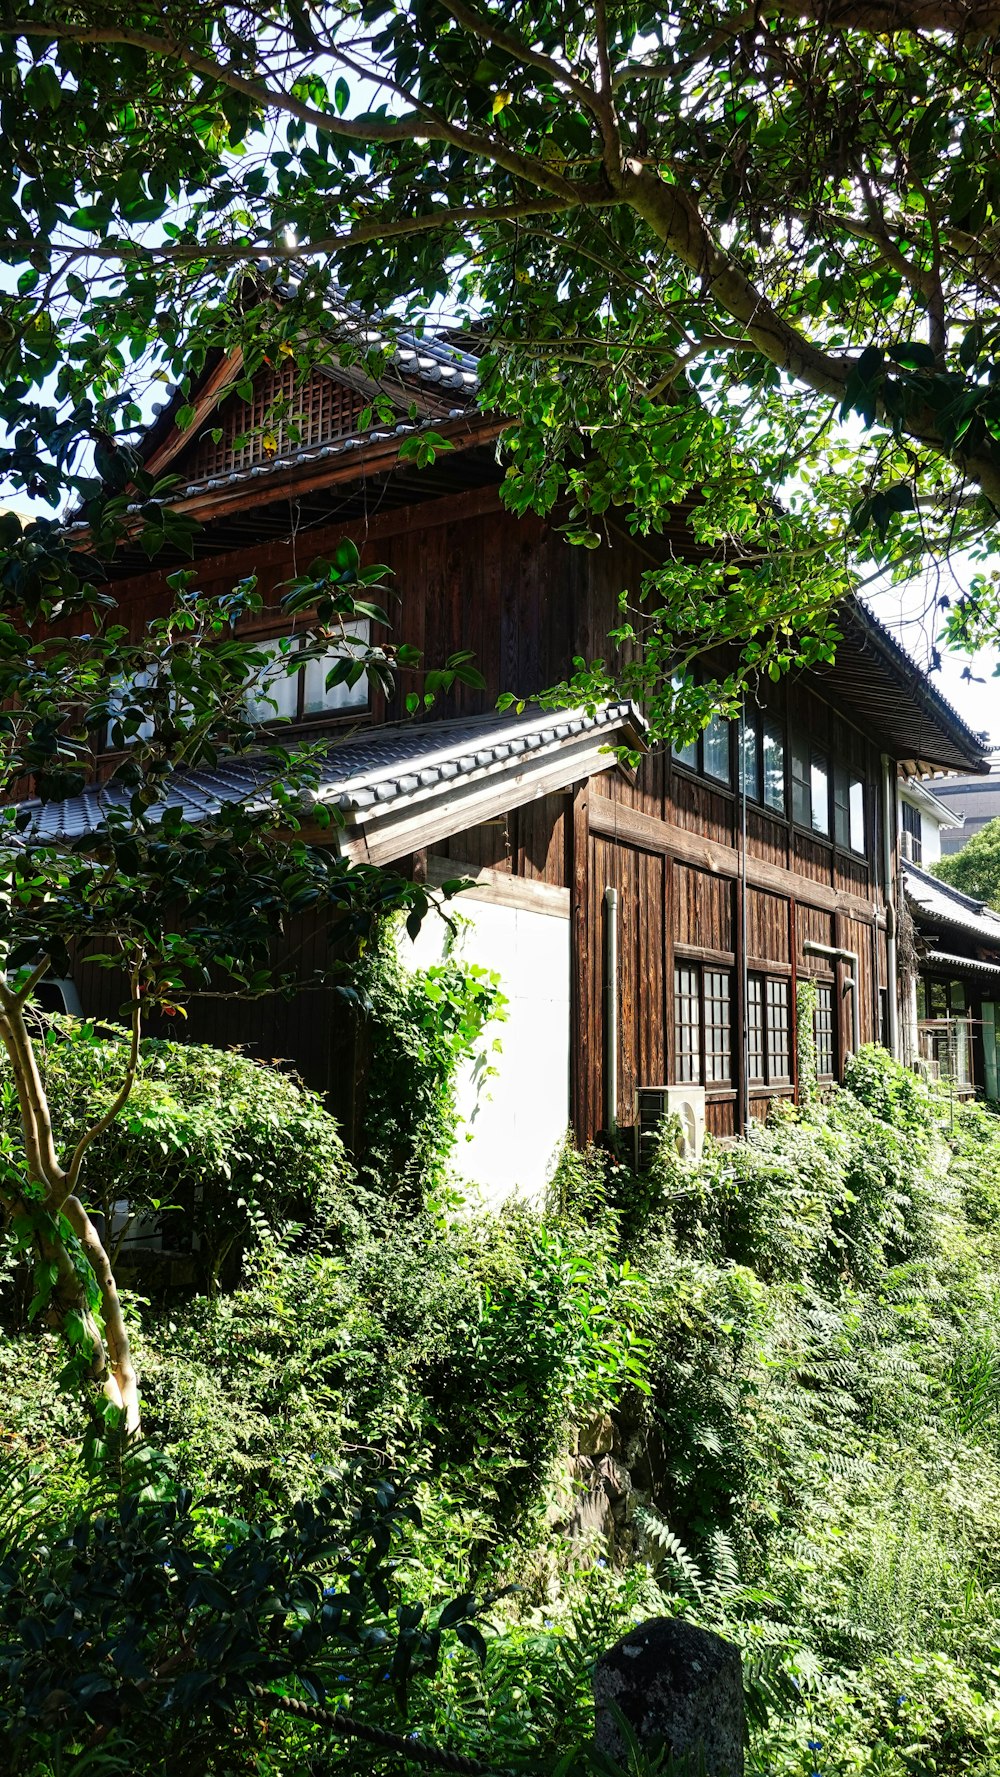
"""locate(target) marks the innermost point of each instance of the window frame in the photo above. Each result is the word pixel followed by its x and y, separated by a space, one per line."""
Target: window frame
pixel 360 629
pixel 763 990
pixel 712 1047
pixel 908 816
pixel 822 1013
pixel 692 755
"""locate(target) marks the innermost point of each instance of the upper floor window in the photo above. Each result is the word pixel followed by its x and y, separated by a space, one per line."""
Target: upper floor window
pixel 709 752
pixel 762 761
pixel 913 829
pixel 283 690
pixel 848 809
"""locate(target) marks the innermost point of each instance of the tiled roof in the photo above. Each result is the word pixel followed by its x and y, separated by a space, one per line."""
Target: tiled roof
pixel 938 904
pixel 962 964
pixel 362 776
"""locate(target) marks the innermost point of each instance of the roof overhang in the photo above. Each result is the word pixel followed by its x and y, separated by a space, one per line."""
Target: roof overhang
pixel 917 727
pixel 919 795
pixel 961 965
pixel 935 906
pixel 391 791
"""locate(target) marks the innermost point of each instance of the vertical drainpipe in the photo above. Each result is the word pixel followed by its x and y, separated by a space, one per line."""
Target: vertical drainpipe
pixel 610 1009
pixel 744 986
pixel 888 850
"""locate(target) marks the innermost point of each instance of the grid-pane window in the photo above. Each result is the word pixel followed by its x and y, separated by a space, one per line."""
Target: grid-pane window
pixel 779 1059
pixel 687 1026
pixel 819 787
pixel 718 1025
pixel 715 750
pixel 774 767
pixel 749 768
pixel 823 1027
pixel 756 1057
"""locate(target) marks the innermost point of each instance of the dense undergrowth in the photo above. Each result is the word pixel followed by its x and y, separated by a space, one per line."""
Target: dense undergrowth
pixel 795 1342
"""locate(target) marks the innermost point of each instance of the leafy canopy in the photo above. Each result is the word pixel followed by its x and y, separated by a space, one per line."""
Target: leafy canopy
pixel 975 870
pixel 717 256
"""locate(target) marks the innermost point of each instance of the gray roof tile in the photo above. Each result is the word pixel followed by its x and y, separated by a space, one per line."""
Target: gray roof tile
pixel 375 767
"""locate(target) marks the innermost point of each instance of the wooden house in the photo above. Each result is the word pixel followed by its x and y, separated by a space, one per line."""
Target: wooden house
pixel 651 926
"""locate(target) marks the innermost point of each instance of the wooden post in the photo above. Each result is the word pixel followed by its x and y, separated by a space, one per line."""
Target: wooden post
pixel 584 1049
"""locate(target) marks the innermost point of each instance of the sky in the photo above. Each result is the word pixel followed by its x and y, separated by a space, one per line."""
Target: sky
pixel 910 612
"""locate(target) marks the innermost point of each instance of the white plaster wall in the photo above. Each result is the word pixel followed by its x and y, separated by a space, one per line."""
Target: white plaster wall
pixel 512 1124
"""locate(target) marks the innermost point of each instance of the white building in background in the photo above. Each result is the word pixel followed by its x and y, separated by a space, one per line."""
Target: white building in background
pixel 923 817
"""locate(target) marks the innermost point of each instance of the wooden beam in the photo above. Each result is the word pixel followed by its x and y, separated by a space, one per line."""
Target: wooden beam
pixel 214 388
pixel 614 821
pixel 500 887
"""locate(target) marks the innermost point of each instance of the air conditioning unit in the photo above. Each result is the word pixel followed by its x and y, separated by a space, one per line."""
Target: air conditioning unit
pixel 653 1103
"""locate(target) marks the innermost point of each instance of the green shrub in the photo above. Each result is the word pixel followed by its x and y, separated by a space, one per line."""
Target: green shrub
pixel 209 1146
pixel 417 1028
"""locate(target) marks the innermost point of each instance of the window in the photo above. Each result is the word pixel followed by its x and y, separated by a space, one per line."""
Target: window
pixel 913 825
pixel 946 1005
pixel 718 1036
pixel 708 753
pixel 749 758
pixel 715 750
pixel 284 691
pixel 801 788
pixel 703 1037
pixel 127 722
pixel 848 809
pixel 819 784
pixel 762 762
pixel 810 786
pixel 779 1060
pixel 774 767
pixel 687 1026
pixel 756 1058
pixel 769 1053
pixel 823 1031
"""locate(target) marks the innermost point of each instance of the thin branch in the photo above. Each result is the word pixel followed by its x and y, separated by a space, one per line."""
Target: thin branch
pixel 483 27
pixel 120 1099
pixel 423 123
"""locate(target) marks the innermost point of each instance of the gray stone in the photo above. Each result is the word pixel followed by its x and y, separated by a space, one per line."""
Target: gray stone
pixel 597 1438
pixel 676 1685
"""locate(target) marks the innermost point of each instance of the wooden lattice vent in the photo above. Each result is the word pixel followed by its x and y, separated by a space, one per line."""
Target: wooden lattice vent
pixel 287 414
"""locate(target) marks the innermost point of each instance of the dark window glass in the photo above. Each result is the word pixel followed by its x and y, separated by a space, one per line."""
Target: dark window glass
pixel 841 806
pixel 718 1025
pixel 749 770
pixel 912 825
pixel 774 767
pixel 687 754
pixel 801 786
pixel 823 1025
pixel 715 750
pixel 687 1026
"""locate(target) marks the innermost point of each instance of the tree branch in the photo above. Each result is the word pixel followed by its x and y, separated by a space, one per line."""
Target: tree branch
pixel 118 1103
